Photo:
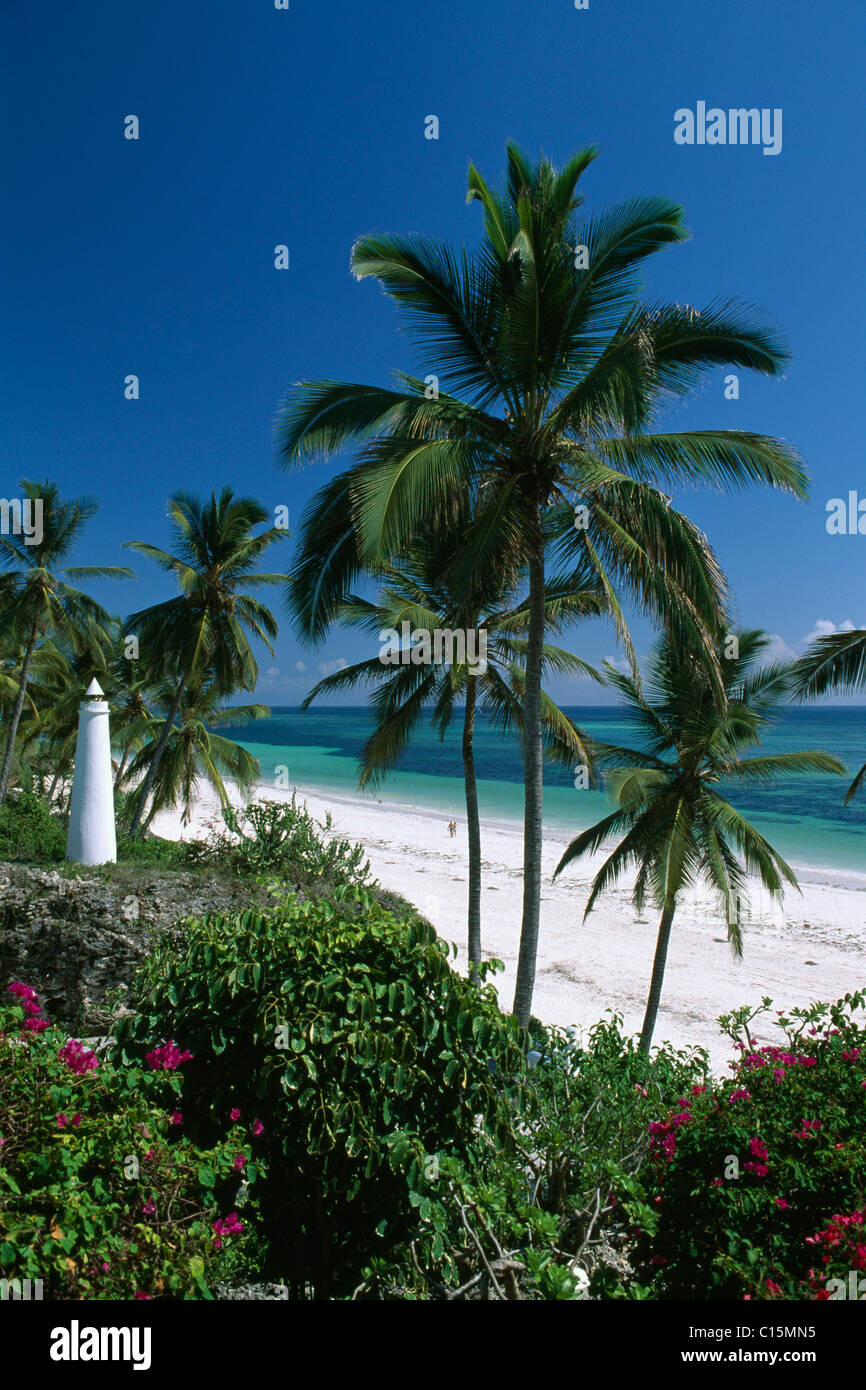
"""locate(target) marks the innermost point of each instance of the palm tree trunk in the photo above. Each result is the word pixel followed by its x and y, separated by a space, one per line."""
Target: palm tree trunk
pixel 533 783
pixel 150 815
pixel 156 759
pixel 121 769
pixel 658 975
pixel 53 788
pixel 473 825
pixel 16 713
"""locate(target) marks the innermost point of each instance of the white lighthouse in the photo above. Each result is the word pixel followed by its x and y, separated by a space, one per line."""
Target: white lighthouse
pixel 91 838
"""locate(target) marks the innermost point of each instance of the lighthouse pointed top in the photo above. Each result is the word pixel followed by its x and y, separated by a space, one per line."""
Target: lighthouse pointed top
pixel 95 690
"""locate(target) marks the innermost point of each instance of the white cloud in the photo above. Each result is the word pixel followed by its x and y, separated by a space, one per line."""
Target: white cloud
pixel 824 627
pixel 327 668
pixel 777 649
pixel 273 671
pixel 620 663
pixel 301 666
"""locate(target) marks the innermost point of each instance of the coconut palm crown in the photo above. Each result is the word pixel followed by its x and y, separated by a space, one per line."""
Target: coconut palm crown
pixel 674 824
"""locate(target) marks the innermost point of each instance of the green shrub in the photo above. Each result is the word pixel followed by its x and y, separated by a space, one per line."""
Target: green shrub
pixel 171 854
pixel 30 831
pixel 754 1181
pixel 525 1221
pixel 283 840
pixel 357 1049
pixel 101 1195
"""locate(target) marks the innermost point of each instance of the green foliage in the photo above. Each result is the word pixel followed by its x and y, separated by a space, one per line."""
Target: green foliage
pixel 30 831
pixel 169 853
pixel 355 1046
pixel 524 1221
pixel 283 840
pixel 101 1195
pixel 754 1181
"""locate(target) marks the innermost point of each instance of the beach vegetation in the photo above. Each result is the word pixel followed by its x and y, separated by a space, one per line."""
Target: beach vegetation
pixel 674 824
pixel 102 1194
pixel 834 664
pixel 201 638
pixel 423 593
pixel 756 1185
pixel 39 599
pixel 553 371
pixel 363 1056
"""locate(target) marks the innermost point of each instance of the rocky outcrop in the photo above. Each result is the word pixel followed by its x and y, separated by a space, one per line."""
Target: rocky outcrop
pixel 77 939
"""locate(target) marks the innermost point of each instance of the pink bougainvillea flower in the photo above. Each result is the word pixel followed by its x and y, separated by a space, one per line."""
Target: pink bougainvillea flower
pixel 257 1127
pixel 226 1226
pixel 167 1057
pixel 77 1057
pixel 175 1118
pixel 141 1295
pixel 239 1163
pixel 782 1204
pixel 149 1207
pixel 61 1120
pixel 808 1127
pixel 234 1113
pixel 36 1025
pixel 760 1170
pixel 26 992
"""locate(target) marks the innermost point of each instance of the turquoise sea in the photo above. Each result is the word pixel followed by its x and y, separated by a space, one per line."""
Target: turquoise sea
pixel 803 817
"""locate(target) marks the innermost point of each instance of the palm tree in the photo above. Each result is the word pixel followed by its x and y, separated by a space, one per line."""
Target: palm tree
pixel 193 751
pixel 419 591
pixel 39 601
pixel 556 370
pixel 675 824
pixel 836 662
pixel 203 632
pixel 48 736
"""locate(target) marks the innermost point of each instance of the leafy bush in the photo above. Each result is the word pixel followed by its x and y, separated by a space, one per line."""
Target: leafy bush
pixel 171 854
pixel 529 1220
pixel 756 1186
pixel 30 831
pixel 362 1054
pixel 101 1196
pixel 282 840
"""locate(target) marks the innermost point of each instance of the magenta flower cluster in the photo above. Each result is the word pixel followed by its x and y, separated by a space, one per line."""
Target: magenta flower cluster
pixel 229 1225
pixel 34 1023
pixel 758 1162
pixel 167 1057
pixel 766 1056
pixel 664 1132
pixel 78 1058
pixel 844 1238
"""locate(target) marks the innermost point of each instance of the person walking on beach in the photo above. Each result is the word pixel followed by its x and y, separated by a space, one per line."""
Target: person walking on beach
pixel 452 828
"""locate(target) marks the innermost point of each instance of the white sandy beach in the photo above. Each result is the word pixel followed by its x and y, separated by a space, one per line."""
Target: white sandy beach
pixel 813 948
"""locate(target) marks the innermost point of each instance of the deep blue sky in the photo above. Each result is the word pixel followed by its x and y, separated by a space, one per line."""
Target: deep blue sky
pixel 306 127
